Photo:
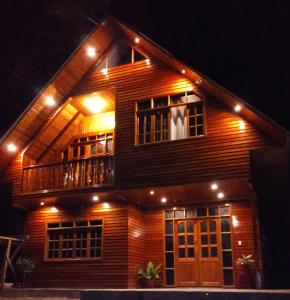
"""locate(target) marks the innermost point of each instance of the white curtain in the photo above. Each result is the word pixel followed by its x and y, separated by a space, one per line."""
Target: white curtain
pixel 178 122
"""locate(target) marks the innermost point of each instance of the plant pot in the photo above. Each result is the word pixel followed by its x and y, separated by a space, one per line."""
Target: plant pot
pixel 244 278
pixel 147 283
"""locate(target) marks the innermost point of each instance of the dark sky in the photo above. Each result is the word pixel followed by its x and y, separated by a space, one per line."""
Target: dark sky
pixel 242 45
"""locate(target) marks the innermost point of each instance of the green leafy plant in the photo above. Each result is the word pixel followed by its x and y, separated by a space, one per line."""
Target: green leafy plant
pixel 25 265
pixel 245 260
pixel 151 271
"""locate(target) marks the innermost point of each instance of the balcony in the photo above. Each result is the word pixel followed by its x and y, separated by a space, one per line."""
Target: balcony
pixel 68 175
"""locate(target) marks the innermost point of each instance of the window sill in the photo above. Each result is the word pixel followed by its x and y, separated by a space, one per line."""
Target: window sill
pixel 63 260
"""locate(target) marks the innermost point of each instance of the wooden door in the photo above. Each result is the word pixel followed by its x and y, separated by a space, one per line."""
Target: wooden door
pixel 198 253
pixel 210 267
pixel 186 258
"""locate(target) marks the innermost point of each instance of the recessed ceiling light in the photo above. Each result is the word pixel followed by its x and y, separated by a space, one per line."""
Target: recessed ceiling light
pixel 242 125
pixel 54 209
pixel 41 203
pixel 152 192
pixel 163 200
pixel 106 205
pixel 91 52
pixel 214 186
pixel 237 108
pixel 11 147
pixel 183 71
pixel 227 204
pixel 174 208
pixel 220 195
pixel 136 40
pixel 95 198
pixel 49 101
pixel 95 104
pixel 147 61
pixel 104 71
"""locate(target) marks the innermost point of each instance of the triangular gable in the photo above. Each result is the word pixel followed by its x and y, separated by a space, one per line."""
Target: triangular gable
pixel 102 37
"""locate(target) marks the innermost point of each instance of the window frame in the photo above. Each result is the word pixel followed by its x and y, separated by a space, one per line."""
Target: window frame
pixel 46 249
pixel 152 132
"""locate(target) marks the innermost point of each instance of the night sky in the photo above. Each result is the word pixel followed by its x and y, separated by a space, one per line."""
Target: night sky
pixel 242 45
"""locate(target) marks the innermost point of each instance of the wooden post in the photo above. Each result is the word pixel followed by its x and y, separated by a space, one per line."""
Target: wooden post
pixel 4 269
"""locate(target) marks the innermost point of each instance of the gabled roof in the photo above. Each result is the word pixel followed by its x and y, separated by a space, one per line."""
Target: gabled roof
pixel 37 114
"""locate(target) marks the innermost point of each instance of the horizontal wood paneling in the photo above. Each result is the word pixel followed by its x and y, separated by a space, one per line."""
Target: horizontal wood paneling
pixel 111 271
pixel 136 244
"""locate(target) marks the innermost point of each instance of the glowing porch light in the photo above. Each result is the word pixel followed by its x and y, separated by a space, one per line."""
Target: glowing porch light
pixel 91 52
pixel 49 101
pixel 54 209
pixel 11 147
pixel 214 186
pixel 95 104
pixel 183 71
pixel 147 61
pixel 242 125
pixel 220 195
pixel 41 203
pixel 104 71
pixel 237 108
pixel 95 198
pixel 152 192
pixel 163 200
pixel 227 204
pixel 174 208
pixel 106 205
pixel 136 40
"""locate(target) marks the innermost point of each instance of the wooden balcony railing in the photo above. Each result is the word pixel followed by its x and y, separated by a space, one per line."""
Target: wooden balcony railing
pixel 83 173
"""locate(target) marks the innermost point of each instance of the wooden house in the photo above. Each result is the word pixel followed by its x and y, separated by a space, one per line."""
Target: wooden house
pixel 128 155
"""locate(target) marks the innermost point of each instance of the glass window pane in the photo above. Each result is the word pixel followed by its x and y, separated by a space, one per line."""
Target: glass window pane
pixel 169 260
pixel 145 104
pixel 201 212
pixel 225 211
pixel 190 240
pixel 181 227
pixel 228 277
pixel 169 243
pixel 190 252
pixel 212 226
pixel 213 211
pixel 168 227
pixel 190 213
pixel 181 240
pixel 181 252
pixel 213 239
pixel 203 226
pixel 169 277
pixel 227 259
pixel 213 252
pixel 168 214
pixel 179 213
pixel 204 252
pixel 226 241
pixel 225 222
pixel 204 239
pixel 189 227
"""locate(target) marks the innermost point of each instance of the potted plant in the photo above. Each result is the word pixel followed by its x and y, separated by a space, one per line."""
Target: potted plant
pixel 24 266
pixel 244 279
pixel 148 277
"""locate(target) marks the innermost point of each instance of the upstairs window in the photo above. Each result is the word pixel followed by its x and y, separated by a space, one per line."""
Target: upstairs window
pixel 169 118
pixel 74 240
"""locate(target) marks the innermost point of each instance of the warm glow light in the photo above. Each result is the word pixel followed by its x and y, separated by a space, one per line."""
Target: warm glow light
pixel 54 209
pixel 220 195
pixel 237 108
pixel 227 204
pixel 235 221
pixel 214 186
pixel 163 200
pixel 95 104
pixel 242 125
pixel 104 71
pixel 106 205
pixel 152 192
pixel 49 101
pixel 91 52
pixel 11 147
pixel 147 61
pixel 174 208
pixel 183 71
pixel 190 88
pixel 137 40
pixel 41 203
pixel 95 198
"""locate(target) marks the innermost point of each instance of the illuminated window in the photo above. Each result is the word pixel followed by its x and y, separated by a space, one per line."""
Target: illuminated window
pixel 167 118
pixel 74 240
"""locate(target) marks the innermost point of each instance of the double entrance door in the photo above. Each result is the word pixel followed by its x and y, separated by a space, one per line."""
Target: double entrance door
pixel 198 252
